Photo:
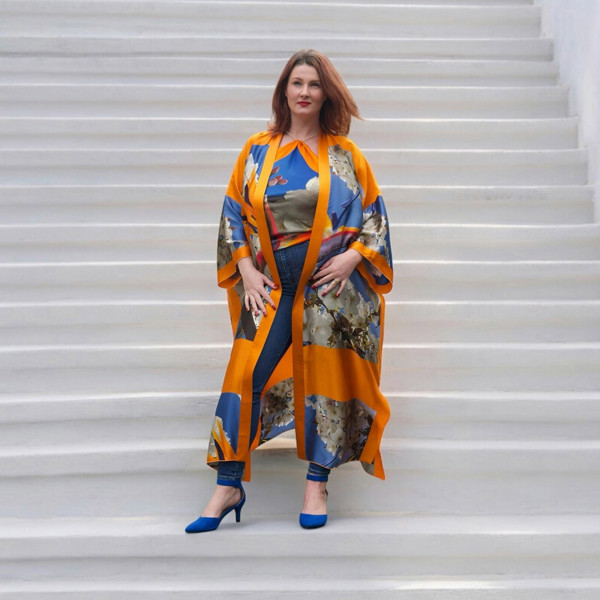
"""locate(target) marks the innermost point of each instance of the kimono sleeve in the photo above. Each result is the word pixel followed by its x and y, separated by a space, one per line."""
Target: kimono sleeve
pixel 232 243
pixel 373 240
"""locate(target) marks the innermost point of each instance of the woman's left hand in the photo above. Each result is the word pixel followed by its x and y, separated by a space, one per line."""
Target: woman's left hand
pixel 337 270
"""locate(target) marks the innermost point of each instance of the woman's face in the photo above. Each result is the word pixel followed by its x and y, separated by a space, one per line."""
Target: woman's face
pixel 304 92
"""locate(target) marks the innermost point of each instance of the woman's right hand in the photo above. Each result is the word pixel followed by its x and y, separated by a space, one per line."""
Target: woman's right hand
pixel 254 286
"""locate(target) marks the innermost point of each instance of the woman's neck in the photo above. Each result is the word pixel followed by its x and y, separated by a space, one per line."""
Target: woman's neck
pixel 302 130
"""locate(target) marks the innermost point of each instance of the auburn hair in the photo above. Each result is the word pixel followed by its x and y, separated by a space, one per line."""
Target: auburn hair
pixel 338 108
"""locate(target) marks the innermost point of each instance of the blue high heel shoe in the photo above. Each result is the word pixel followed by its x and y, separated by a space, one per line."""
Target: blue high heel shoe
pixel 307 520
pixel 211 523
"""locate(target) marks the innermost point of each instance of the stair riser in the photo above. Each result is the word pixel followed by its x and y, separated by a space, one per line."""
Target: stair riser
pixel 461 459
pixel 392 167
pixel 283 47
pixel 144 593
pixel 455 243
pixel 178 492
pixel 534 134
pixel 411 368
pixel 265 71
pixel 199 242
pixel 461 427
pixel 491 588
pixel 511 211
pixel 209 324
pixel 159 19
pixel 412 555
pixel 201 204
pixel 426 281
pixel 254 101
pixel 31 422
pixel 471 3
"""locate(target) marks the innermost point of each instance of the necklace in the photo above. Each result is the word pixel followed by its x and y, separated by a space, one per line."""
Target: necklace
pixel 304 140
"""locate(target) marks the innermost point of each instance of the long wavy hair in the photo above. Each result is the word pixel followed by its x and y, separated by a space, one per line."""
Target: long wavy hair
pixel 338 108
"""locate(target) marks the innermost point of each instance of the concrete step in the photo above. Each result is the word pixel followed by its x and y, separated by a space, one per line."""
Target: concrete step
pixel 169 477
pixel 198 70
pixel 499 242
pixel 114 100
pixel 49 419
pixel 165 322
pixel 397 167
pixel 491 366
pixel 492 489
pixel 193 280
pixel 180 454
pixel 193 133
pixel 283 46
pixel 431 588
pixel 473 3
pixel 351 547
pixel 157 18
pixel 175 241
pixel 20 204
pixel 489 204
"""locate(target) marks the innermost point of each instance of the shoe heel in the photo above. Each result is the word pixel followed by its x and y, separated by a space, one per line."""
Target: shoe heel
pixel 238 507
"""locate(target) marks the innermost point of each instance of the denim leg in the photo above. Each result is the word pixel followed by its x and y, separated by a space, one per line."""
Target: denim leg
pixel 276 344
pixel 230 472
pixel 289 264
pixel 317 473
pixel 279 338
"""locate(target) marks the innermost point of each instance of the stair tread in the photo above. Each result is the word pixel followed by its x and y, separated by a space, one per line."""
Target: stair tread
pixel 140 526
pixel 150 303
pixel 177 227
pixel 283 582
pixel 271 62
pixel 91 263
pixel 536 91
pixel 483 395
pixel 288 444
pixel 95 347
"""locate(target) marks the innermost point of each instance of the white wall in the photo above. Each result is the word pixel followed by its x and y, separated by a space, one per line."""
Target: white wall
pixel 575 27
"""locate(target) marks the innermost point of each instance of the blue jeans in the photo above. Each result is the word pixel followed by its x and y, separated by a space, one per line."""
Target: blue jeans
pixel 289 262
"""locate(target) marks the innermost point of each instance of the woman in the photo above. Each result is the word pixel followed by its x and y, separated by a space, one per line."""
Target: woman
pixel 304 253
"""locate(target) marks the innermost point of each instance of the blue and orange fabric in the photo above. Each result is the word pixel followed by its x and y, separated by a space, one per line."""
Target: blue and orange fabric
pixel 326 386
pixel 291 195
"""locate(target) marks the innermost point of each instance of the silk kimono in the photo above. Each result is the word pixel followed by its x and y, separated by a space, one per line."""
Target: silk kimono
pixel 326 386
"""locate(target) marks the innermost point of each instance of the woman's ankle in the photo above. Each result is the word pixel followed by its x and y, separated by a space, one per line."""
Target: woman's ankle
pixel 223 497
pixel 315 497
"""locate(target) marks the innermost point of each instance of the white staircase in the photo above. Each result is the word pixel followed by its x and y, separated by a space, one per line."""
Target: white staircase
pixel 119 125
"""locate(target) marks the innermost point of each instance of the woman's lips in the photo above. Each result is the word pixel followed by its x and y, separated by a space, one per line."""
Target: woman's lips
pixel 303 103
